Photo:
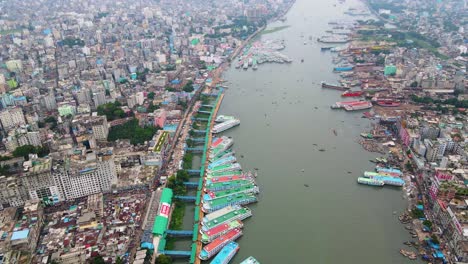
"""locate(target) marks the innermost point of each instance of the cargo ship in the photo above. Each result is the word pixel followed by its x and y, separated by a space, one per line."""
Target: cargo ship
pixel 250 260
pixel 225 167
pixel 394 181
pixel 369 181
pixel 350 93
pixel 334 87
pixel 249 188
pixel 222 161
pixel 211 234
pixel 220 145
pixel 214 247
pixel 218 128
pixel 237 199
pixel 226 254
pixel 221 186
pixel 225 215
pixel 224 118
pixel 388 103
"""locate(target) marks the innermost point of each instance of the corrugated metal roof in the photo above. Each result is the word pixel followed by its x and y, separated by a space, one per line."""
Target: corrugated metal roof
pixel 166 196
pixel 160 225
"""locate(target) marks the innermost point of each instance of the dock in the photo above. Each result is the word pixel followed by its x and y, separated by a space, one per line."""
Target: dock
pixel 205 162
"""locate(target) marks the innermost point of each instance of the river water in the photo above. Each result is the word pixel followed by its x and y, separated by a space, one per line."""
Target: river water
pixel 285 119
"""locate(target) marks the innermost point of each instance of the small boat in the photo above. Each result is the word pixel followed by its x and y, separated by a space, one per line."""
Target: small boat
pixel 334 132
pixel 302 60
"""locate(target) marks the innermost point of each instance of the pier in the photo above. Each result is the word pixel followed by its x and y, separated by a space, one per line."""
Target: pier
pixel 176 253
pixel 194 150
pixel 193 172
pixel 179 233
pixel 198 212
pixel 191 184
pixel 186 198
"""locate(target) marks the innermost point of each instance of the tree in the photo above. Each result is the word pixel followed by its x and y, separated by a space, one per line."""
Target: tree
pixel 119 260
pixel 163 259
pixel 435 240
pixel 427 223
pixel 188 87
pixel 151 95
pixel 98 260
pixel 414 84
pixel 24 151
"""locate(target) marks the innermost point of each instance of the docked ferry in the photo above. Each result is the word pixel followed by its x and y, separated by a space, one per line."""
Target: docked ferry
pixel 226 254
pixel 225 167
pixel 211 234
pixel 249 188
pixel 386 179
pixel 220 186
pixel 250 260
pixel 218 128
pixel 369 181
pixel 225 215
pixel 219 203
pixel 224 118
pixel 223 174
pixel 228 178
pixel 224 154
pixel 220 145
pixel 222 161
pixel 391 171
pixel 214 247
pixel 334 86
pixel 352 93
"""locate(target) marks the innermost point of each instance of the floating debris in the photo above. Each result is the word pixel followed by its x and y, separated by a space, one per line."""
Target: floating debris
pixel 322 150
pixel 306 185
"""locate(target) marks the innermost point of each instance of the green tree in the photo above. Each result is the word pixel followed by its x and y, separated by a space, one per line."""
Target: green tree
pixel 132 131
pixel 98 260
pixel 151 95
pixel 119 260
pixel 188 87
pixel 427 223
pixel 414 84
pixel 163 259
pixel 435 240
pixel 24 151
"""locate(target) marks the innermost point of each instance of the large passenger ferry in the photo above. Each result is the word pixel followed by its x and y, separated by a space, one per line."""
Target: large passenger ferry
pixel 214 247
pixel 218 128
pixel 219 186
pixel 217 231
pixel 226 254
pixel 249 188
pixel 225 215
pixel 219 203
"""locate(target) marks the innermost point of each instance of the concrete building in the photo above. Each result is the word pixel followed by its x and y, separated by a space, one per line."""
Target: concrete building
pixel 12 117
pixel 99 98
pixel 435 149
pixel 85 172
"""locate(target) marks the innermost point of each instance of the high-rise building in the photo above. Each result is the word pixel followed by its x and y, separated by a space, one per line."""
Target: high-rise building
pixel 99 98
pixel 89 172
pixel 12 117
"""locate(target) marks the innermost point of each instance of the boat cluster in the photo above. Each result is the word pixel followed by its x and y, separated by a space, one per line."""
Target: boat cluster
pixel 262 52
pixel 382 176
pixel 227 190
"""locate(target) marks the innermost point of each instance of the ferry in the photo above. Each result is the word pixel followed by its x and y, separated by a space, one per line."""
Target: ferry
pixel 229 178
pixel 394 171
pixel 343 68
pixel 224 118
pixel 211 234
pixel 394 181
pixel 226 167
pixel 223 154
pixel 214 247
pixel 210 217
pixel 246 65
pixel 219 203
pixel 250 260
pixel 222 161
pixel 220 145
pixel 220 186
pixel 350 93
pixel 226 254
pixel 333 86
pixel 326 48
pixel 249 188
pixel 218 128
pixel 225 215
pixel 352 105
pixel 224 174
pixel 333 39
pixel 369 181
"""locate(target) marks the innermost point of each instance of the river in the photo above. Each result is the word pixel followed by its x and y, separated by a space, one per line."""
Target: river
pixel 285 119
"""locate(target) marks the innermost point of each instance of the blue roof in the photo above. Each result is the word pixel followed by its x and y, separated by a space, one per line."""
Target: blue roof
pixel 20 234
pixel 176 81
